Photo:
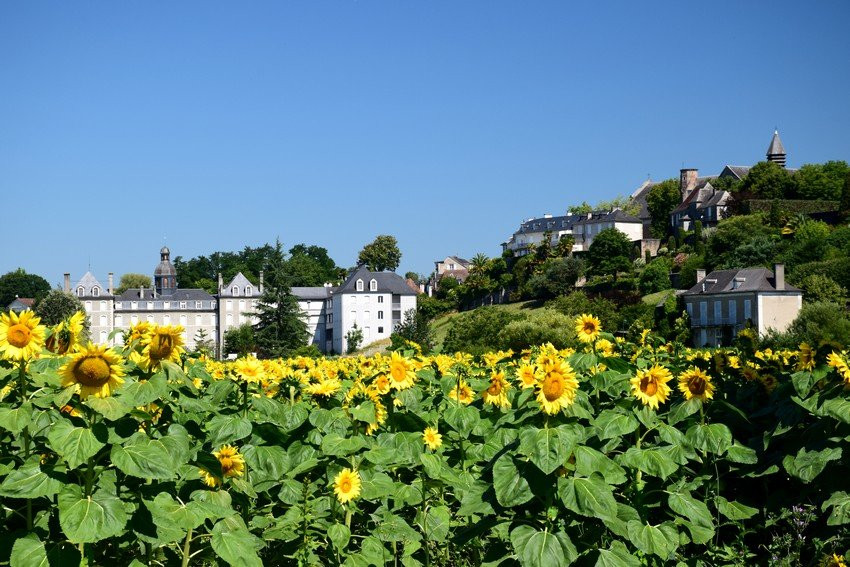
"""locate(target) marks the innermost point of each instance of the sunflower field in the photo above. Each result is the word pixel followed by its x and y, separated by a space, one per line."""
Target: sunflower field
pixel 616 453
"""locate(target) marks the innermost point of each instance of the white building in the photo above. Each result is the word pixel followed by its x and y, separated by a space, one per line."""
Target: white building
pixel 586 229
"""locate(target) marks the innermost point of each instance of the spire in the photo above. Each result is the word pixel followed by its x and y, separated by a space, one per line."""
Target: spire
pixel 776 151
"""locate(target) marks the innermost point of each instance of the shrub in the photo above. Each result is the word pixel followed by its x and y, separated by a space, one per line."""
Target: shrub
pixel 540 327
pixel 416 327
pixel 476 331
pixel 656 276
pixel 821 323
pixel 578 303
pixel 818 288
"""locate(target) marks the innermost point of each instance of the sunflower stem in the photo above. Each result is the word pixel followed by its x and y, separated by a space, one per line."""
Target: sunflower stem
pixel 22 385
pixel 425 519
pixel 186 548
pixel 245 398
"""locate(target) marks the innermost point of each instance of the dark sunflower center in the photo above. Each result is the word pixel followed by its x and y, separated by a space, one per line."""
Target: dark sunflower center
pixel 553 388
pixel 162 346
pixel 589 327
pixel 648 386
pixel 18 335
pixel 697 386
pixel 495 388
pixel 93 371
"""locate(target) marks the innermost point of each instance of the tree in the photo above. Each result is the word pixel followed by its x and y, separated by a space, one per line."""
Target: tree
pixel 416 328
pixel 311 266
pixel 353 338
pixel 21 284
pixel 57 306
pixel 559 277
pixel 817 287
pixel 280 326
pixel 204 345
pixel 821 181
pixel 656 276
pixel 660 202
pixel 200 271
pixel 821 324
pixel 240 340
pixel 381 254
pixel 844 206
pixel 132 281
pixel 769 180
pixel 733 233
pixel 609 253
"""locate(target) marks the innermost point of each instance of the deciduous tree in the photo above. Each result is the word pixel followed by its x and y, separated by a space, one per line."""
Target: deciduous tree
pixel 21 284
pixel 381 254
pixel 132 281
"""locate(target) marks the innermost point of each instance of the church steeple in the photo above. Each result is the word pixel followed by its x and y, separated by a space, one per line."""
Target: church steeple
pixel 776 151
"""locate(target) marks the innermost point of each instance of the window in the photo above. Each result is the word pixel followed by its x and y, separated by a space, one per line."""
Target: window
pixel 748 309
pixel 380 314
pixel 247 290
pixel 149 318
pixel 80 292
pixel 241 305
pixel 134 305
pixel 198 320
pixel 234 290
pixel 119 321
pixel 199 304
pixel 103 306
pixel 182 305
pixel 229 304
pixel 373 285
pixel 183 319
pixel 703 315
pixel 103 320
pixel 451 266
pixel 733 315
pixel 308 304
pixel 718 312
pixel 166 320
pixel 329 318
pixel 150 305
pixel 166 305
pixel 380 330
pixel 134 319
pixel 380 299
pixel 690 308
pixel 212 304
pixel 229 319
pixel 359 285
pixel 95 291
pixel 88 306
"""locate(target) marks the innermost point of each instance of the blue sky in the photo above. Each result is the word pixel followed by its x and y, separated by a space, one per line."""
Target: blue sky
pixel 219 125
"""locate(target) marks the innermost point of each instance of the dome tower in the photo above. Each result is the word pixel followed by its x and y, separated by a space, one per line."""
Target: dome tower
pixel 165 276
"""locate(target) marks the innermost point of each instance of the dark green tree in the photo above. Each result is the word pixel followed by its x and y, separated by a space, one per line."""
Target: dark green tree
pixel 132 281
pixel 733 233
pixel 311 266
pixel 204 345
pixel 559 277
pixel 609 253
pixel 240 340
pixel 381 254
pixel 768 180
pixel 59 305
pixel 821 181
pixel 353 339
pixel 656 276
pixel 844 207
pixel 21 284
pixel 280 326
pixel 660 202
pixel 415 327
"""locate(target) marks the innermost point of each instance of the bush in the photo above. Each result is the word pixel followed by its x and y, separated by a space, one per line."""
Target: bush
pixel 838 270
pixel 578 303
pixel 416 327
pixel 656 276
pixel 57 306
pixel 818 288
pixel 688 272
pixel 540 327
pixel 353 338
pixel 432 307
pixel 559 277
pixel 821 323
pixel 477 331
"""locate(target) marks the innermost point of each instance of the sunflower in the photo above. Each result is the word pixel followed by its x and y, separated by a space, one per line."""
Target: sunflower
pixel 805 357
pixel 839 362
pixel 769 382
pixel 401 372
pixel 347 485
pixel 605 347
pixel 137 332
pixel 324 387
pixel 497 392
pixel 462 393
pixel 95 370
pixel 232 464
pixel 557 389
pixel 834 561
pixel 21 336
pixel 527 375
pixel 249 369
pixel 381 383
pixel 432 438
pixel 695 383
pixel 587 328
pixel 65 337
pixel 163 342
pixel 650 386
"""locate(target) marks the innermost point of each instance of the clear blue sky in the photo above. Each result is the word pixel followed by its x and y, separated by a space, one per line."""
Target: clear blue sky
pixel 220 125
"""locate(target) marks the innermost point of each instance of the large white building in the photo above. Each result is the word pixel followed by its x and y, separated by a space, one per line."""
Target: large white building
pixel 374 301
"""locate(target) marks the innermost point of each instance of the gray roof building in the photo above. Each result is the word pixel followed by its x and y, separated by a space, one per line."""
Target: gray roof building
pixel 385 282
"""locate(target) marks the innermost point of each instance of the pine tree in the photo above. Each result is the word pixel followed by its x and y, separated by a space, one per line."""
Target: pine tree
pixel 280 327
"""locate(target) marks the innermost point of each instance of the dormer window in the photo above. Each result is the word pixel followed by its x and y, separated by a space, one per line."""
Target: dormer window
pixel 95 291
pixel 80 291
pixel 235 290
pixel 359 285
pixel 373 285
pixel 248 290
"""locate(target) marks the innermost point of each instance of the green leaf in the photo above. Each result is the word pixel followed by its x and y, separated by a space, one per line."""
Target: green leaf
pixel 809 464
pixel 611 423
pixel 374 552
pixel 166 511
pixel 232 541
pixel 590 460
pixel 547 448
pixel 214 503
pixel 695 512
pixel 661 540
pixel 144 392
pixel 339 535
pixel 74 444
pixel 461 418
pixel 738 453
pixel 15 420
pixel 86 520
pixel 591 497
pixel 683 410
pixel 617 556
pixel 375 485
pixel 394 528
pixel 227 429
pixel 28 551
pixel 803 382
pixel 734 510
pixel 437 523
pixel 537 548
pixel 336 445
pixel 715 438
pixel 509 481
pixel 111 408
pixel 144 458
pixel 29 482
pixel 840 503
pixel 655 461
pixel 364 412
pixel 838 408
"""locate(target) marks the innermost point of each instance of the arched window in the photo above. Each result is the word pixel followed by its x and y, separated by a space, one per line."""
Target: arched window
pixel 80 291
pixel 247 290
pixel 235 290
pixel 95 291
pixel 373 285
pixel 359 285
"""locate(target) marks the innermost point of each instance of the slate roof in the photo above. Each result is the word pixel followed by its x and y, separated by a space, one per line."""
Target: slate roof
pixel 88 282
pixel 241 282
pixel 178 295
pixel 609 216
pixel 388 282
pixel 314 293
pixel 551 223
pixel 463 262
pixel 737 171
pixel 21 304
pixel 639 197
pixel 703 196
pixel 776 147
pixel 750 280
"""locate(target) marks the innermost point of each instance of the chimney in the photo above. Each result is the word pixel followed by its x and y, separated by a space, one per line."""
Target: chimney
pixel 142 292
pixel 110 281
pixel 220 283
pixel 687 181
pixel 67 282
pixel 261 281
pixel 779 276
pixel 700 274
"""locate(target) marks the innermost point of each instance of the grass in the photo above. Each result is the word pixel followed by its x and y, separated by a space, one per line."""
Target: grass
pixel 657 297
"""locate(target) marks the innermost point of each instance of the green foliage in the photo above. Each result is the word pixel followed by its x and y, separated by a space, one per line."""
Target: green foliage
pixel 353 338
pixel 821 181
pixel 280 326
pixel 21 284
pixel 818 288
pixel 202 272
pixel 836 269
pixel 240 340
pixel 57 306
pixel 310 266
pixel 477 331
pixel 768 180
pixel 558 277
pixel 656 276
pixel 415 327
pixel 133 281
pixel 821 323
pixel 609 253
pixel 688 271
pixel 540 327
pixel 432 307
pixel 578 303
pixel 660 202
pixel 381 254
pixel 739 231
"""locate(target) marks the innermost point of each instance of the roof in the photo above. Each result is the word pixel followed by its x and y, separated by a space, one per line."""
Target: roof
pixel 703 196
pixel 177 295
pixel 738 171
pixel 313 293
pixel 639 197
pixel 463 262
pixel 21 304
pixel 548 223
pixel 388 282
pixel 88 282
pixel 776 147
pixel 749 280
pixel 616 215
pixel 240 281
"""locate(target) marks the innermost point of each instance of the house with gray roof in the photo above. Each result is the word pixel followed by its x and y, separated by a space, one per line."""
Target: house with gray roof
pixel 726 301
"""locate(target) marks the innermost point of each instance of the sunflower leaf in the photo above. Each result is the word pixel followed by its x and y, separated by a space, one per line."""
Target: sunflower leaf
pixel 535 547
pixel 734 510
pixel 144 392
pixel 611 423
pixel 74 444
pixel 590 497
pixel 336 445
pixel 840 503
pixel 111 408
pixel 589 460
pixel 509 481
pixel 461 418
pixel 232 541
pixel 661 540
pixel 806 465
pixel 89 519
pixel 339 535
pixel 28 551
pixel 548 448
pixel 15 420
pixel 29 481
pixel 227 429
pixel 656 461
pixel 617 556
pixel 144 458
